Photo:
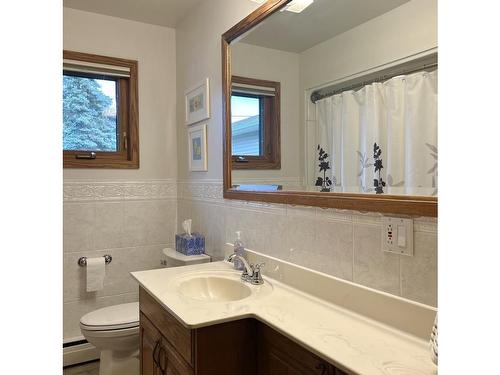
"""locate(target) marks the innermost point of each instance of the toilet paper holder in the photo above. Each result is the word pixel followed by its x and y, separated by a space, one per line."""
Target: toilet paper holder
pixel 82 261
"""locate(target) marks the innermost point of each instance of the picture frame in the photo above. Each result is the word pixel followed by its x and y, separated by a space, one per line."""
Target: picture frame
pixel 197 102
pixel 197 148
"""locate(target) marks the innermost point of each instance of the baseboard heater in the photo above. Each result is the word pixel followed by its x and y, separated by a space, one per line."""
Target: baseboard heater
pixel 78 351
pixel 73 343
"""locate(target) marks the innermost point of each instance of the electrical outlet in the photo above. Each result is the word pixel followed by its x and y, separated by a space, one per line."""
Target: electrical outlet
pixel 397 235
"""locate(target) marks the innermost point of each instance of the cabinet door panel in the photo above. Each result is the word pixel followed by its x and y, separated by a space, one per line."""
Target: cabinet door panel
pixel 173 362
pixel 278 355
pixel 276 365
pixel 178 335
pixel 150 341
pixel 227 348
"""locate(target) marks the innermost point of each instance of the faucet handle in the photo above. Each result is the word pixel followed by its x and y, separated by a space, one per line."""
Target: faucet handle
pixel 256 278
pixel 258 266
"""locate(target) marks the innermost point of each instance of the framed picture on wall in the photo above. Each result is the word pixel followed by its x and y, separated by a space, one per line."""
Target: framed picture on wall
pixel 198 102
pixel 197 146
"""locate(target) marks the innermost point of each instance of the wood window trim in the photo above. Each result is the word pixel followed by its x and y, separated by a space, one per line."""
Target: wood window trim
pixel 128 117
pixel 271 158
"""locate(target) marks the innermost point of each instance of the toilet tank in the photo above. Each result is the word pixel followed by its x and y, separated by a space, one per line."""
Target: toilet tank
pixel 172 258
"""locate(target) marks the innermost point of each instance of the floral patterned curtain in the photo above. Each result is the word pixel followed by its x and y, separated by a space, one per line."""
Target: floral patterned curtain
pixel 382 138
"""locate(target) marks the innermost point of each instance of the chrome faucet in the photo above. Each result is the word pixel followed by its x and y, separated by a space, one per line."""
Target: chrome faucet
pixel 248 271
pixel 251 273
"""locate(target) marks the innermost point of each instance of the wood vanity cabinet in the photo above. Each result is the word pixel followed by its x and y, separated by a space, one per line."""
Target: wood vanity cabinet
pixel 150 339
pixel 278 355
pixel 242 347
pixel 158 357
pixel 226 348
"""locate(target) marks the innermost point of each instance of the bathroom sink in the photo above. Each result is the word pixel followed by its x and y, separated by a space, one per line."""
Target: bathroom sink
pixel 214 289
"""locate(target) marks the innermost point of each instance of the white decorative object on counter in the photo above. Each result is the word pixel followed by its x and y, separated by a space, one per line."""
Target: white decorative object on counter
pixel 434 342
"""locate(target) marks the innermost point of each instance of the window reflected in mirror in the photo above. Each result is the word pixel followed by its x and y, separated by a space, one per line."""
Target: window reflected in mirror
pixel 246 124
pixel 255 123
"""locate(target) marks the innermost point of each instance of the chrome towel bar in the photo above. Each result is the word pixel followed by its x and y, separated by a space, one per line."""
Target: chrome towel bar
pixel 82 261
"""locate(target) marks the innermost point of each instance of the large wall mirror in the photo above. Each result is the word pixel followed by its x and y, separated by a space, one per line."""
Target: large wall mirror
pixel 333 103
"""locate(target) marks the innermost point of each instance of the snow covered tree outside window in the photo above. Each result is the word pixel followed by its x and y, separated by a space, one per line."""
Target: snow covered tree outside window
pixel 89 114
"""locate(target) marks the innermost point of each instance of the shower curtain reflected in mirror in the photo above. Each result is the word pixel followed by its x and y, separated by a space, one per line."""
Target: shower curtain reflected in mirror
pixel 382 138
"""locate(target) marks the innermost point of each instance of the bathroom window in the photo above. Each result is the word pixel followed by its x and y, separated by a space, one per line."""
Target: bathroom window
pixel 255 123
pixel 100 112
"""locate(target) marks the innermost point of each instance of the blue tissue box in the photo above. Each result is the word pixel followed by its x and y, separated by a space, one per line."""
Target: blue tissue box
pixel 193 244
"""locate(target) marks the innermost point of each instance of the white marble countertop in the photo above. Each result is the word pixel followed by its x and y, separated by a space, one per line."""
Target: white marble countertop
pixel 353 342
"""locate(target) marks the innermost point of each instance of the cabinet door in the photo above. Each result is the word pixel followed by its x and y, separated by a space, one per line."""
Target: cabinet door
pixel 278 355
pixel 171 362
pixel 168 325
pixel 150 346
pixel 271 362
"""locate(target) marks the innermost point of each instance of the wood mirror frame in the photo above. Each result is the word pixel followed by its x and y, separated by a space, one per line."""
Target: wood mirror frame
pixel 390 204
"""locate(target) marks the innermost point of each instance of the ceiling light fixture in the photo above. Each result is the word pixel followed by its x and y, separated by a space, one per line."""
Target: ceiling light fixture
pixel 297 6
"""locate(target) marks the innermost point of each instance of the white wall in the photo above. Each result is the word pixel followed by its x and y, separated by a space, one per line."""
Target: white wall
pixel 264 63
pixel 154 48
pixel 198 40
pixel 404 31
pixel 129 214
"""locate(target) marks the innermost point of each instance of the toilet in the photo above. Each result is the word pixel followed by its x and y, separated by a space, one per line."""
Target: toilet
pixel 114 330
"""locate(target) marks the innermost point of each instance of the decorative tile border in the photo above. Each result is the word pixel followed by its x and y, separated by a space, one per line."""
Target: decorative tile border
pixel 335 214
pixel 201 189
pixel 78 191
pixel 211 191
pixel 257 206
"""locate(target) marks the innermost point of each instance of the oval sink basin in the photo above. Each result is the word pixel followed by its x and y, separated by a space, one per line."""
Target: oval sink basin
pixel 214 289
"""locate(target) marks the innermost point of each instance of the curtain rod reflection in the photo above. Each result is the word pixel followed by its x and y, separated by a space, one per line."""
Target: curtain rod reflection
pixel 367 80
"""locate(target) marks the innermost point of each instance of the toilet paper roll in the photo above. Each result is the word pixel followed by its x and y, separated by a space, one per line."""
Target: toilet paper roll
pixel 96 270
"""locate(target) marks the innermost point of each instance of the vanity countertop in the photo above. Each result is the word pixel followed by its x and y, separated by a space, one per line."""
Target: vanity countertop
pixel 345 338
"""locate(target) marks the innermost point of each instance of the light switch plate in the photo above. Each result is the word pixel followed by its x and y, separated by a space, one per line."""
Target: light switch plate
pixel 397 235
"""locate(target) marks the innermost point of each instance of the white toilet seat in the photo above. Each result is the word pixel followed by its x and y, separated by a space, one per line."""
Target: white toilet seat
pixel 117 317
pixel 114 327
pixel 110 333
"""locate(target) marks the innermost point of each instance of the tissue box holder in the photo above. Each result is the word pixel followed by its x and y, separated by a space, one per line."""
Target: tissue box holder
pixel 190 245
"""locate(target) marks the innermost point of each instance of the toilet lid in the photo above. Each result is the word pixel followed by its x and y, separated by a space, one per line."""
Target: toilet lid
pixel 112 317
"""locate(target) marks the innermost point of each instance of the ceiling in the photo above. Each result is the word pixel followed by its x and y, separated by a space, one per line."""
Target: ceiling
pixel 322 20
pixel 158 12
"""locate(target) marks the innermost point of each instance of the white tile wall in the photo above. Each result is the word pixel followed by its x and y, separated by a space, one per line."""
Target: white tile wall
pixel 132 222
pixel 341 243
pixel 372 266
